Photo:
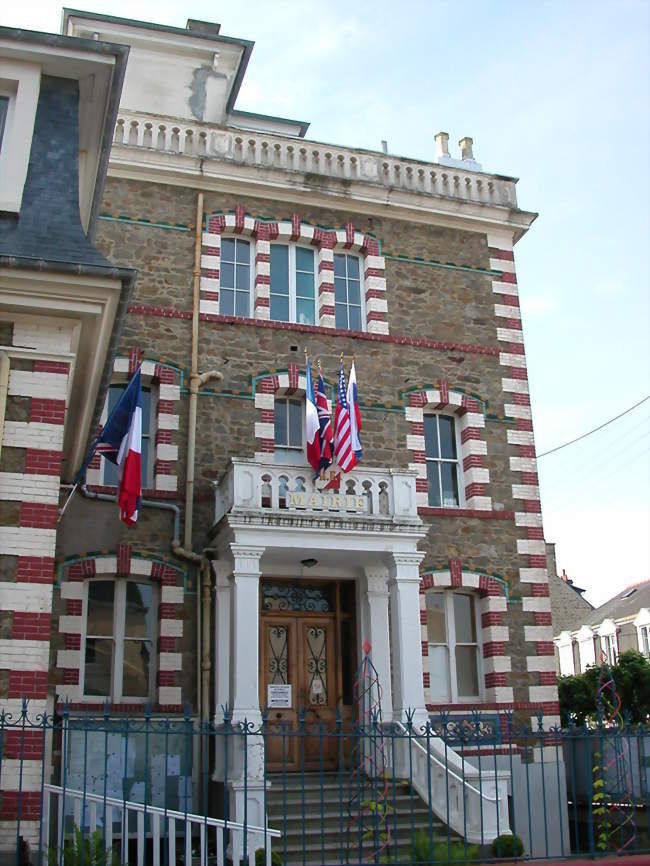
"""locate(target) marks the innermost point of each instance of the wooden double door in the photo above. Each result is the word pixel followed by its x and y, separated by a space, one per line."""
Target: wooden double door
pixel 302 671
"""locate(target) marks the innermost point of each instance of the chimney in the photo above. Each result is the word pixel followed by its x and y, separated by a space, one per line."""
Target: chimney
pixel 466 151
pixel 442 144
pixel 565 576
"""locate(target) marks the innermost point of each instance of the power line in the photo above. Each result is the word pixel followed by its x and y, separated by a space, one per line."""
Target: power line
pixel 595 430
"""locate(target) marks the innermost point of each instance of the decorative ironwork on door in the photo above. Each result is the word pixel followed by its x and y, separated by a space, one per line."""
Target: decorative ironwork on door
pixel 316 666
pixel 288 596
pixel 278 673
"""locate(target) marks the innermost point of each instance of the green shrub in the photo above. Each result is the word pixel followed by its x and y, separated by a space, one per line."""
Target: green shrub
pixel 260 858
pixel 442 852
pixel 507 846
pixel 93 852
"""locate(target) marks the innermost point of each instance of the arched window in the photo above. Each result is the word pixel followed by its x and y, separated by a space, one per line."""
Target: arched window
pixel 454 646
pixel 288 428
pixel 119 639
pixel 110 472
pixel 442 451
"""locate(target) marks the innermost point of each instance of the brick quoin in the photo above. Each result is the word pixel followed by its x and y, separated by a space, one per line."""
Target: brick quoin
pixel 26 744
pixel 27 684
pixel 456 572
pixel 51 366
pixel 39 462
pixel 124 559
pixel 30 626
pixel 35 569
pixel 38 515
pixel 30 805
pixel 47 411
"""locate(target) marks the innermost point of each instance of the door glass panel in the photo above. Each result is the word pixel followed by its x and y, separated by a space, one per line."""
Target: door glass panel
pixel 449 484
pixel 439 672
pixel 280 422
pixel 289 596
pixel 464 618
pixel 466 671
pixel 316 665
pixel 433 482
pixel 100 608
pixel 431 436
pixel 295 424
pixel 436 629
pixel 278 655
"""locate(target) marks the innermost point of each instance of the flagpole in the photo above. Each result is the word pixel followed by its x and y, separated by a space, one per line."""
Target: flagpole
pixel 67 502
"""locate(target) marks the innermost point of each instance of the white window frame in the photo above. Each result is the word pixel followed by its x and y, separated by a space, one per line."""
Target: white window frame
pixel 292 454
pixel 118 638
pixel 608 634
pixel 451 644
pixel 642 625
pixel 149 480
pixel 21 82
pixel 458 461
pixel 292 283
pixel 251 273
pixel 362 292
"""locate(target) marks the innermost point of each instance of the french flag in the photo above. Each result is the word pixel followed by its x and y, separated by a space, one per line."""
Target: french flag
pixel 355 413
pixel 312 423
pixel 121 442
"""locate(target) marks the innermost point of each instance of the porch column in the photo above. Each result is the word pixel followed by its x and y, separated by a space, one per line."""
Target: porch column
pixel 245 633
pixel 404 589
pixel 378 634
pixel 223 590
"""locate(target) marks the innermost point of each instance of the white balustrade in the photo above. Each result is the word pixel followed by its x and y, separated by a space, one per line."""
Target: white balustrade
pixel 178 831
pixel 377 494
pixel 472 802
pixel 267 150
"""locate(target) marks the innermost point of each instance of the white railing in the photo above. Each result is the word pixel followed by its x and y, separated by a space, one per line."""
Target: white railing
pixel 270 151
pixel 180 831
pixel 472 803
pixel 379 494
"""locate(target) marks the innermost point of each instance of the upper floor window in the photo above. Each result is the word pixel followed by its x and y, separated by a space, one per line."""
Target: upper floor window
pixel 289 430
pixel 441 452
pixel 292 291
pixel 111 472
pixel 119 639
pixel 235 277
pixel 348 305
pixel 452 634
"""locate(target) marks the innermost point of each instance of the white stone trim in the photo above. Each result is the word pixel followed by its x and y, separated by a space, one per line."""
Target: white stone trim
pixel 33 434
pixel 27 541
pixel 24 655
pixel 16 487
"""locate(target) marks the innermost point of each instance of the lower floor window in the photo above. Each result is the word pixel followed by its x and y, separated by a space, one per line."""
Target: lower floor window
pixel 452 634
pixel 644 640
pixel 119 645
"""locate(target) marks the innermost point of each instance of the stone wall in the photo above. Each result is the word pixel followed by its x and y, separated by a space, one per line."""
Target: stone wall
pixel 442 328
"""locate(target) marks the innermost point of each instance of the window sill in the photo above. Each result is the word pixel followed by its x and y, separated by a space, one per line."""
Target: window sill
pixel 432 511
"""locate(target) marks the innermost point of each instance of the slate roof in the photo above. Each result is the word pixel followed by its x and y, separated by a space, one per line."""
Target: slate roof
pixel 626 604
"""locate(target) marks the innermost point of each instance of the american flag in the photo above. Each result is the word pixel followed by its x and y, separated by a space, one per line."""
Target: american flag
pixel 345 456
pixel 325 425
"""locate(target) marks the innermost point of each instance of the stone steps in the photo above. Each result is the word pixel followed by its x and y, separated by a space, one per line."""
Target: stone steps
pixel 312 827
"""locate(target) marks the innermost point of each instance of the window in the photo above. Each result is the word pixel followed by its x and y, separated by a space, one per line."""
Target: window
pixel 4 110
pixel 292 284
pixel 609 648
pixel 441 452
pixel 644 640
pixel 119 647
pixel 347 292
pixel 288 430
pixel 452 634
pixel 235 277
pixel 111 472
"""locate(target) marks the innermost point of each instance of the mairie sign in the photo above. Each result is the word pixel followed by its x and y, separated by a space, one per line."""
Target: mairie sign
pixel 326 501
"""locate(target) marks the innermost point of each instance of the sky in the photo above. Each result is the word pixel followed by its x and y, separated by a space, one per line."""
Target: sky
pixel 554 93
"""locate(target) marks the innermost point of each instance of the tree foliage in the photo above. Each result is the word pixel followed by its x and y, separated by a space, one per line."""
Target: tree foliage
pixel 631 673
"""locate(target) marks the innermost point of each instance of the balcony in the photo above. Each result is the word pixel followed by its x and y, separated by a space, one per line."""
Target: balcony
pixel 181 148
pixel 381 495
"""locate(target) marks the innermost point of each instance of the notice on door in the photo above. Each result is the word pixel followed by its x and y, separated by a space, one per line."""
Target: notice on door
pixel 279 697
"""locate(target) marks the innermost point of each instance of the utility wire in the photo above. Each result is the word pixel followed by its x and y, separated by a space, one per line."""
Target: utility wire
pixel 595 430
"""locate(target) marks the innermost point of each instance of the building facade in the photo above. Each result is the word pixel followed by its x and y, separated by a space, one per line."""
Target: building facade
pixel 244 574
pixel 60 302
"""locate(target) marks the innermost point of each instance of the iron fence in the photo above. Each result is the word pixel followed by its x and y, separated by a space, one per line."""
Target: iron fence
pixel 110 789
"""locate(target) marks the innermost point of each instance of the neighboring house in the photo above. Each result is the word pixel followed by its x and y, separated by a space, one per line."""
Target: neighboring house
pixel 622 623
pixel 568 606
pixel 251 243
pixel 60 300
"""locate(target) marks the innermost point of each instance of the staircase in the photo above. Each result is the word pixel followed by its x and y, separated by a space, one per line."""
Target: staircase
pixel 319 826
